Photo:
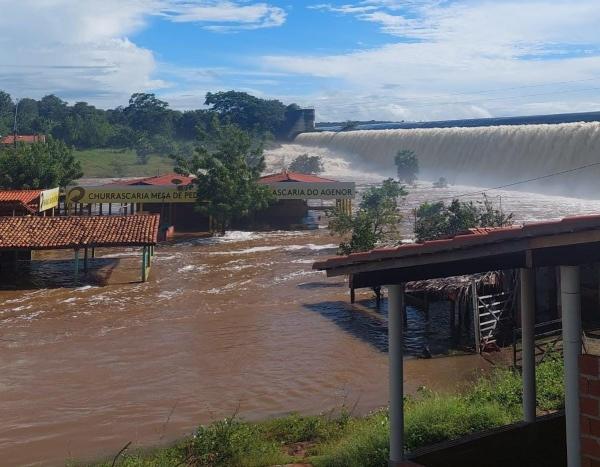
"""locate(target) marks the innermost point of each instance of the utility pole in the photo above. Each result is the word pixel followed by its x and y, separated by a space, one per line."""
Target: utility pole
pixel 15 132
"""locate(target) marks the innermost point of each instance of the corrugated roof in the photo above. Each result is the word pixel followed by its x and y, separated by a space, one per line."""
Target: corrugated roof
pixel 474 238
pixel 158 180
pixel 286 176
pixel 47 233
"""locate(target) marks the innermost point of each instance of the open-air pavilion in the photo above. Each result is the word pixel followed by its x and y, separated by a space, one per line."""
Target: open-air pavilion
pixel 22 235
pixel 568 245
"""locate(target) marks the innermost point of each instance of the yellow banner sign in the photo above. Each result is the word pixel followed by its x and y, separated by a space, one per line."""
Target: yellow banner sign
pixel 49 199
pixel 302 190
pixel 131 194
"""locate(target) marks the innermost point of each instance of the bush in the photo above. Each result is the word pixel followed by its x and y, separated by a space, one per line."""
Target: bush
pixel 296 428
pixel 438 418
pixel 233 443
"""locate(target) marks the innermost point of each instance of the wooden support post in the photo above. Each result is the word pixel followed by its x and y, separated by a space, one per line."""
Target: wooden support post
pixel 89 209
pixel 93 252
pixel 352 295
pixel 85 259
pixel 109 209
pixel 100 209
pixel 475 306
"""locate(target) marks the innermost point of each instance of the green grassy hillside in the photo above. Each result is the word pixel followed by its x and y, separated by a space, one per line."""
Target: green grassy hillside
pixel 120 163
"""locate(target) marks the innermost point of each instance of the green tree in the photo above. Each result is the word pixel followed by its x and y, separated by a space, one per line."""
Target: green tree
pixel 376 220
pixel 438 220
pixel 7 108
pixel 227 172
pixel 249 112
pixel 146 113
pixel 441 183
pixel 28 121
pixel 407 166
pixel 143 148
pixel 307 164
pixel 38 166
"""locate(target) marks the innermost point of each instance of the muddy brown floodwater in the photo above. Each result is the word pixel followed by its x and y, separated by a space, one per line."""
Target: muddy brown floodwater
pixel 239 325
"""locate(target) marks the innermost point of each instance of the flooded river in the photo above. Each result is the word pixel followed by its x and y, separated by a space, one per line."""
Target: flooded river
pixel 239 324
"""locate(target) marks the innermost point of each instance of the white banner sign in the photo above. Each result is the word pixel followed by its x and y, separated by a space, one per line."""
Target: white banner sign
pixel 300 190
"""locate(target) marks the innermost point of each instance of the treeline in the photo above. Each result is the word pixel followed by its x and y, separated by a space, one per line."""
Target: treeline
pixel 147 123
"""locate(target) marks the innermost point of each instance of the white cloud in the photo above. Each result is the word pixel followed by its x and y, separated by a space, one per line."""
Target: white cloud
pixel 449 56
pixel 80 49
pixel 226 15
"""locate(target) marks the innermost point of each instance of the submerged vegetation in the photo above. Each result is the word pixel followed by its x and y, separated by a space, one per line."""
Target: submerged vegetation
pixel 344 440
pixel 376 220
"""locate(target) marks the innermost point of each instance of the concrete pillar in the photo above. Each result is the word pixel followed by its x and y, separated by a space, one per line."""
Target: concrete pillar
pixel 528 342
pixel 395 357
pixel 570 297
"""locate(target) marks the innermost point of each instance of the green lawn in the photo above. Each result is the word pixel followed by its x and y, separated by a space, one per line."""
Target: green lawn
pixel 120 163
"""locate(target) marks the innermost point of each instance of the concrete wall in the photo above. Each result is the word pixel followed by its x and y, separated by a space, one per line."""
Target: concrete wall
pixel 589 368
pixel 301 121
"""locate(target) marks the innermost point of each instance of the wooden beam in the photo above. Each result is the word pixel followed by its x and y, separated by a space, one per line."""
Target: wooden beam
pixel 422 272
pixel 463 254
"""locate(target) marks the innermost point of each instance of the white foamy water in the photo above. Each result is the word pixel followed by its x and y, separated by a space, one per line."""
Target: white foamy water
pixel 192 268
pixel 338 165
pixel 483 156
pixel 311 246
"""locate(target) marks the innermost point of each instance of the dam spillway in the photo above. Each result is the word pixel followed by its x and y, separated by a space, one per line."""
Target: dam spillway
pixel 479 156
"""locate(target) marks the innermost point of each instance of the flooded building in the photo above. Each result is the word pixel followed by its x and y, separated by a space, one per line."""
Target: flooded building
pixel 28 202
pixel 571 247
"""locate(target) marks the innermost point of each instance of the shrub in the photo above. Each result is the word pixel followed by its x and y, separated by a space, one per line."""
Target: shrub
pixel 232 443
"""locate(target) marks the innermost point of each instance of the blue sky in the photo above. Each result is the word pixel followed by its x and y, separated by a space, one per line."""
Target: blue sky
pixel 353 59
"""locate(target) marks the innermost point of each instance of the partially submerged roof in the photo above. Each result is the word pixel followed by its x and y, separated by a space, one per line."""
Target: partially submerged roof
pixel 54 233
pixel 10 139
pixel 287 176
pixel 572 240
pixel 158 180
pixel 23 196
pixel 25 200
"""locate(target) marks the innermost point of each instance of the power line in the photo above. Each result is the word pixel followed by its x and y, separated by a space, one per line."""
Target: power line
pixel 542 177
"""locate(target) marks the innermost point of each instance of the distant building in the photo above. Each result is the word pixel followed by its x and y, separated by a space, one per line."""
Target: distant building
pixel 301 121
pixel 27 139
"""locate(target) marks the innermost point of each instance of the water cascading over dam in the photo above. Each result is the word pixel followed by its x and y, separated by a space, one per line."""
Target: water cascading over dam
pixel 480 156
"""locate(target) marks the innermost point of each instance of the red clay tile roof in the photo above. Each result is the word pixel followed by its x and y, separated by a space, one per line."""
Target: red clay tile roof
pixel 10 139
pixel 23 196
pixel 48 233
pixel 159 180
pixel 286 176
pixel 476 237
